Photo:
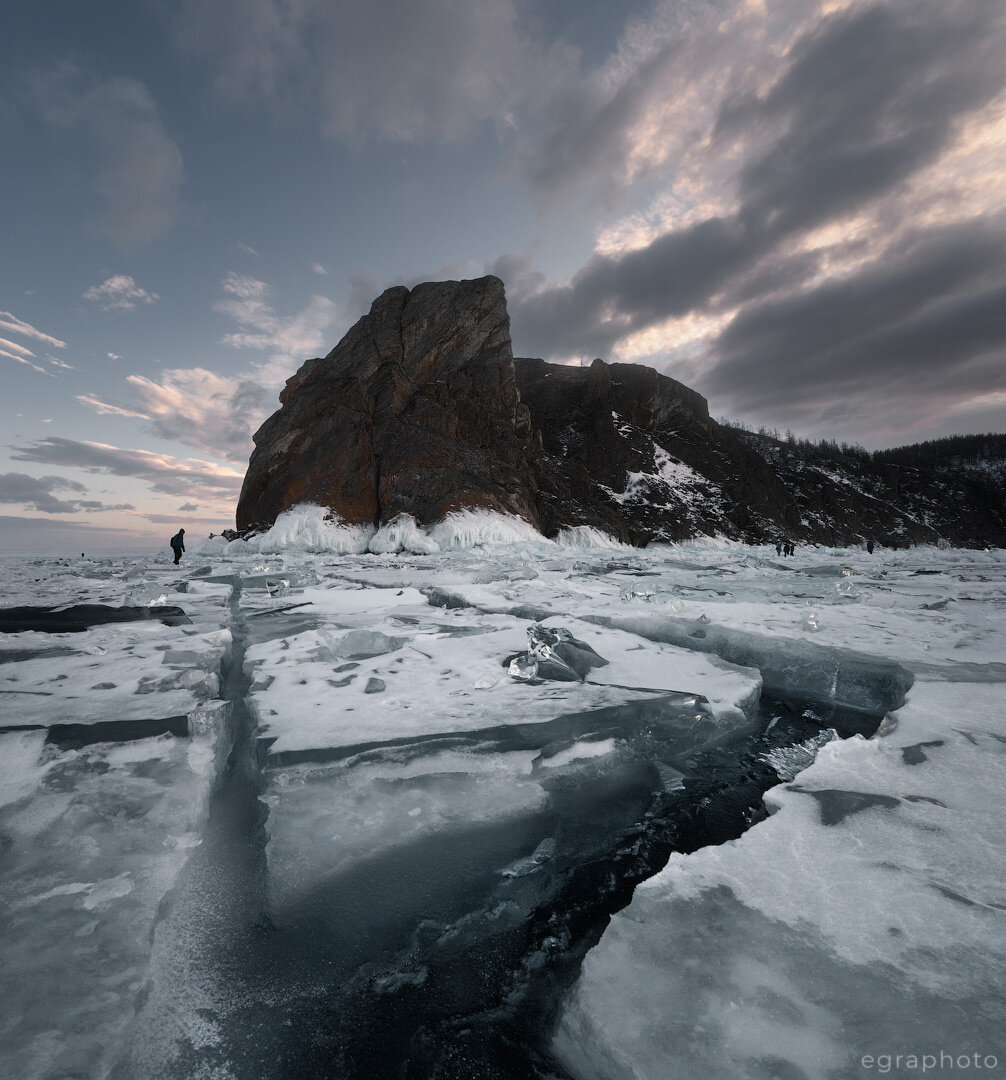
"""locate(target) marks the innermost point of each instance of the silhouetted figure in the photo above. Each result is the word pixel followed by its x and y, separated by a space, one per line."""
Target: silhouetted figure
pixel 869 546
pixel 178 544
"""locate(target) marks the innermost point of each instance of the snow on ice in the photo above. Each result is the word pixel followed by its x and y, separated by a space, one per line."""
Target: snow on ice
pixel 379 678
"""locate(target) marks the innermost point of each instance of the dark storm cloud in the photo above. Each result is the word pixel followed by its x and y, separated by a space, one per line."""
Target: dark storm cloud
pixel 610 298
pixel 867 99
pixel 36 493
pixel 927 315
pixel 165 474
pixel 589 127
pixel 781 273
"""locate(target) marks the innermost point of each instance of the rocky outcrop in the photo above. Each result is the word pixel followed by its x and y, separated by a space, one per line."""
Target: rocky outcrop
pixel 635 453
pixel 415 411
pixel 422 409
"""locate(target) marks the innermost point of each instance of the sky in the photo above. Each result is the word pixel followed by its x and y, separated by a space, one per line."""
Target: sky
pixel 795 207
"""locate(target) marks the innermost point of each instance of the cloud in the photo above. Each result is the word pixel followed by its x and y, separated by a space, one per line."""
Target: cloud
pixel 166 475
pixel 217 414
pixel 105 408
pixel 188 508
pixel 834 179
pixel 34 534
pixel 13 325
pixel 833 143
pixel 916 332
pixel 869 97
pixel 13 351
pixel 19 349
pixel 247 249
pixel 289 340
pixel 209 412
pixel 195 407
pixel 387 70
pixel 249 303
pixel 36 493
pixel 138 173
pixel 119 293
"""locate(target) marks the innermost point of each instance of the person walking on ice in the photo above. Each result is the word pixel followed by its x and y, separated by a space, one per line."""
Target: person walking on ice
pixel 178 544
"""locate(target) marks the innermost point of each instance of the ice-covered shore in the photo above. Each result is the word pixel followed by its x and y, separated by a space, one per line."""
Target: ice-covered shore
pixel 862 918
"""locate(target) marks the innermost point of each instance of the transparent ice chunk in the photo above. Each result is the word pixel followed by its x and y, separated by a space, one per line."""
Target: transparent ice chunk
pixel 543 853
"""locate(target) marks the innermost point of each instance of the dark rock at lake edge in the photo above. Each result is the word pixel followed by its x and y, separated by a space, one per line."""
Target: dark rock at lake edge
pixel 415 411
pixel 422 409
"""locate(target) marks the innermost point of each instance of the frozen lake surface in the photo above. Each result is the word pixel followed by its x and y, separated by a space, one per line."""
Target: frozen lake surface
pixel 338 814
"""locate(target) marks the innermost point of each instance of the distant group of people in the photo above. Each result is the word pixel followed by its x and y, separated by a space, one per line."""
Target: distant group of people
pixel 784 547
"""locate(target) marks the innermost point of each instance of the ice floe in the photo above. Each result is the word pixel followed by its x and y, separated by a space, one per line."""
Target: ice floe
pixel 419 796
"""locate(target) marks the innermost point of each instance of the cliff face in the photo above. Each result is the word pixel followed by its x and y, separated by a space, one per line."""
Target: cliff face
pixel 415 410
pixel 422 409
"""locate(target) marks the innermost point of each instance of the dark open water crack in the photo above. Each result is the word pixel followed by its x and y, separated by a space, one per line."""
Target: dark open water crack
pixel 423 960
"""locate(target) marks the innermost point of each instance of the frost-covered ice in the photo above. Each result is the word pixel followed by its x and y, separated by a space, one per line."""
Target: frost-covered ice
pixel 864 916
pixel 94 829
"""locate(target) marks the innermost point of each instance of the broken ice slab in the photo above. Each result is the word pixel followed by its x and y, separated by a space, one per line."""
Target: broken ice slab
pixel 359 644
pixel 435 683
pixel 554 654
pixel 863 916
pixel 343 823
pixel 116 673
pixel 289 576
pixel 93 842
pixel 212 729
pixel 788 761
pixel 788 666
pixel 542 854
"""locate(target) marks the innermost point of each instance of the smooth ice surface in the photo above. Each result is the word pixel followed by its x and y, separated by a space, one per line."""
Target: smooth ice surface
pixel 863 917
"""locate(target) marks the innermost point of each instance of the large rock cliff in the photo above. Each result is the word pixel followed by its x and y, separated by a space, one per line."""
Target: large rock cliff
pixel 415 411
pixel 422 409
